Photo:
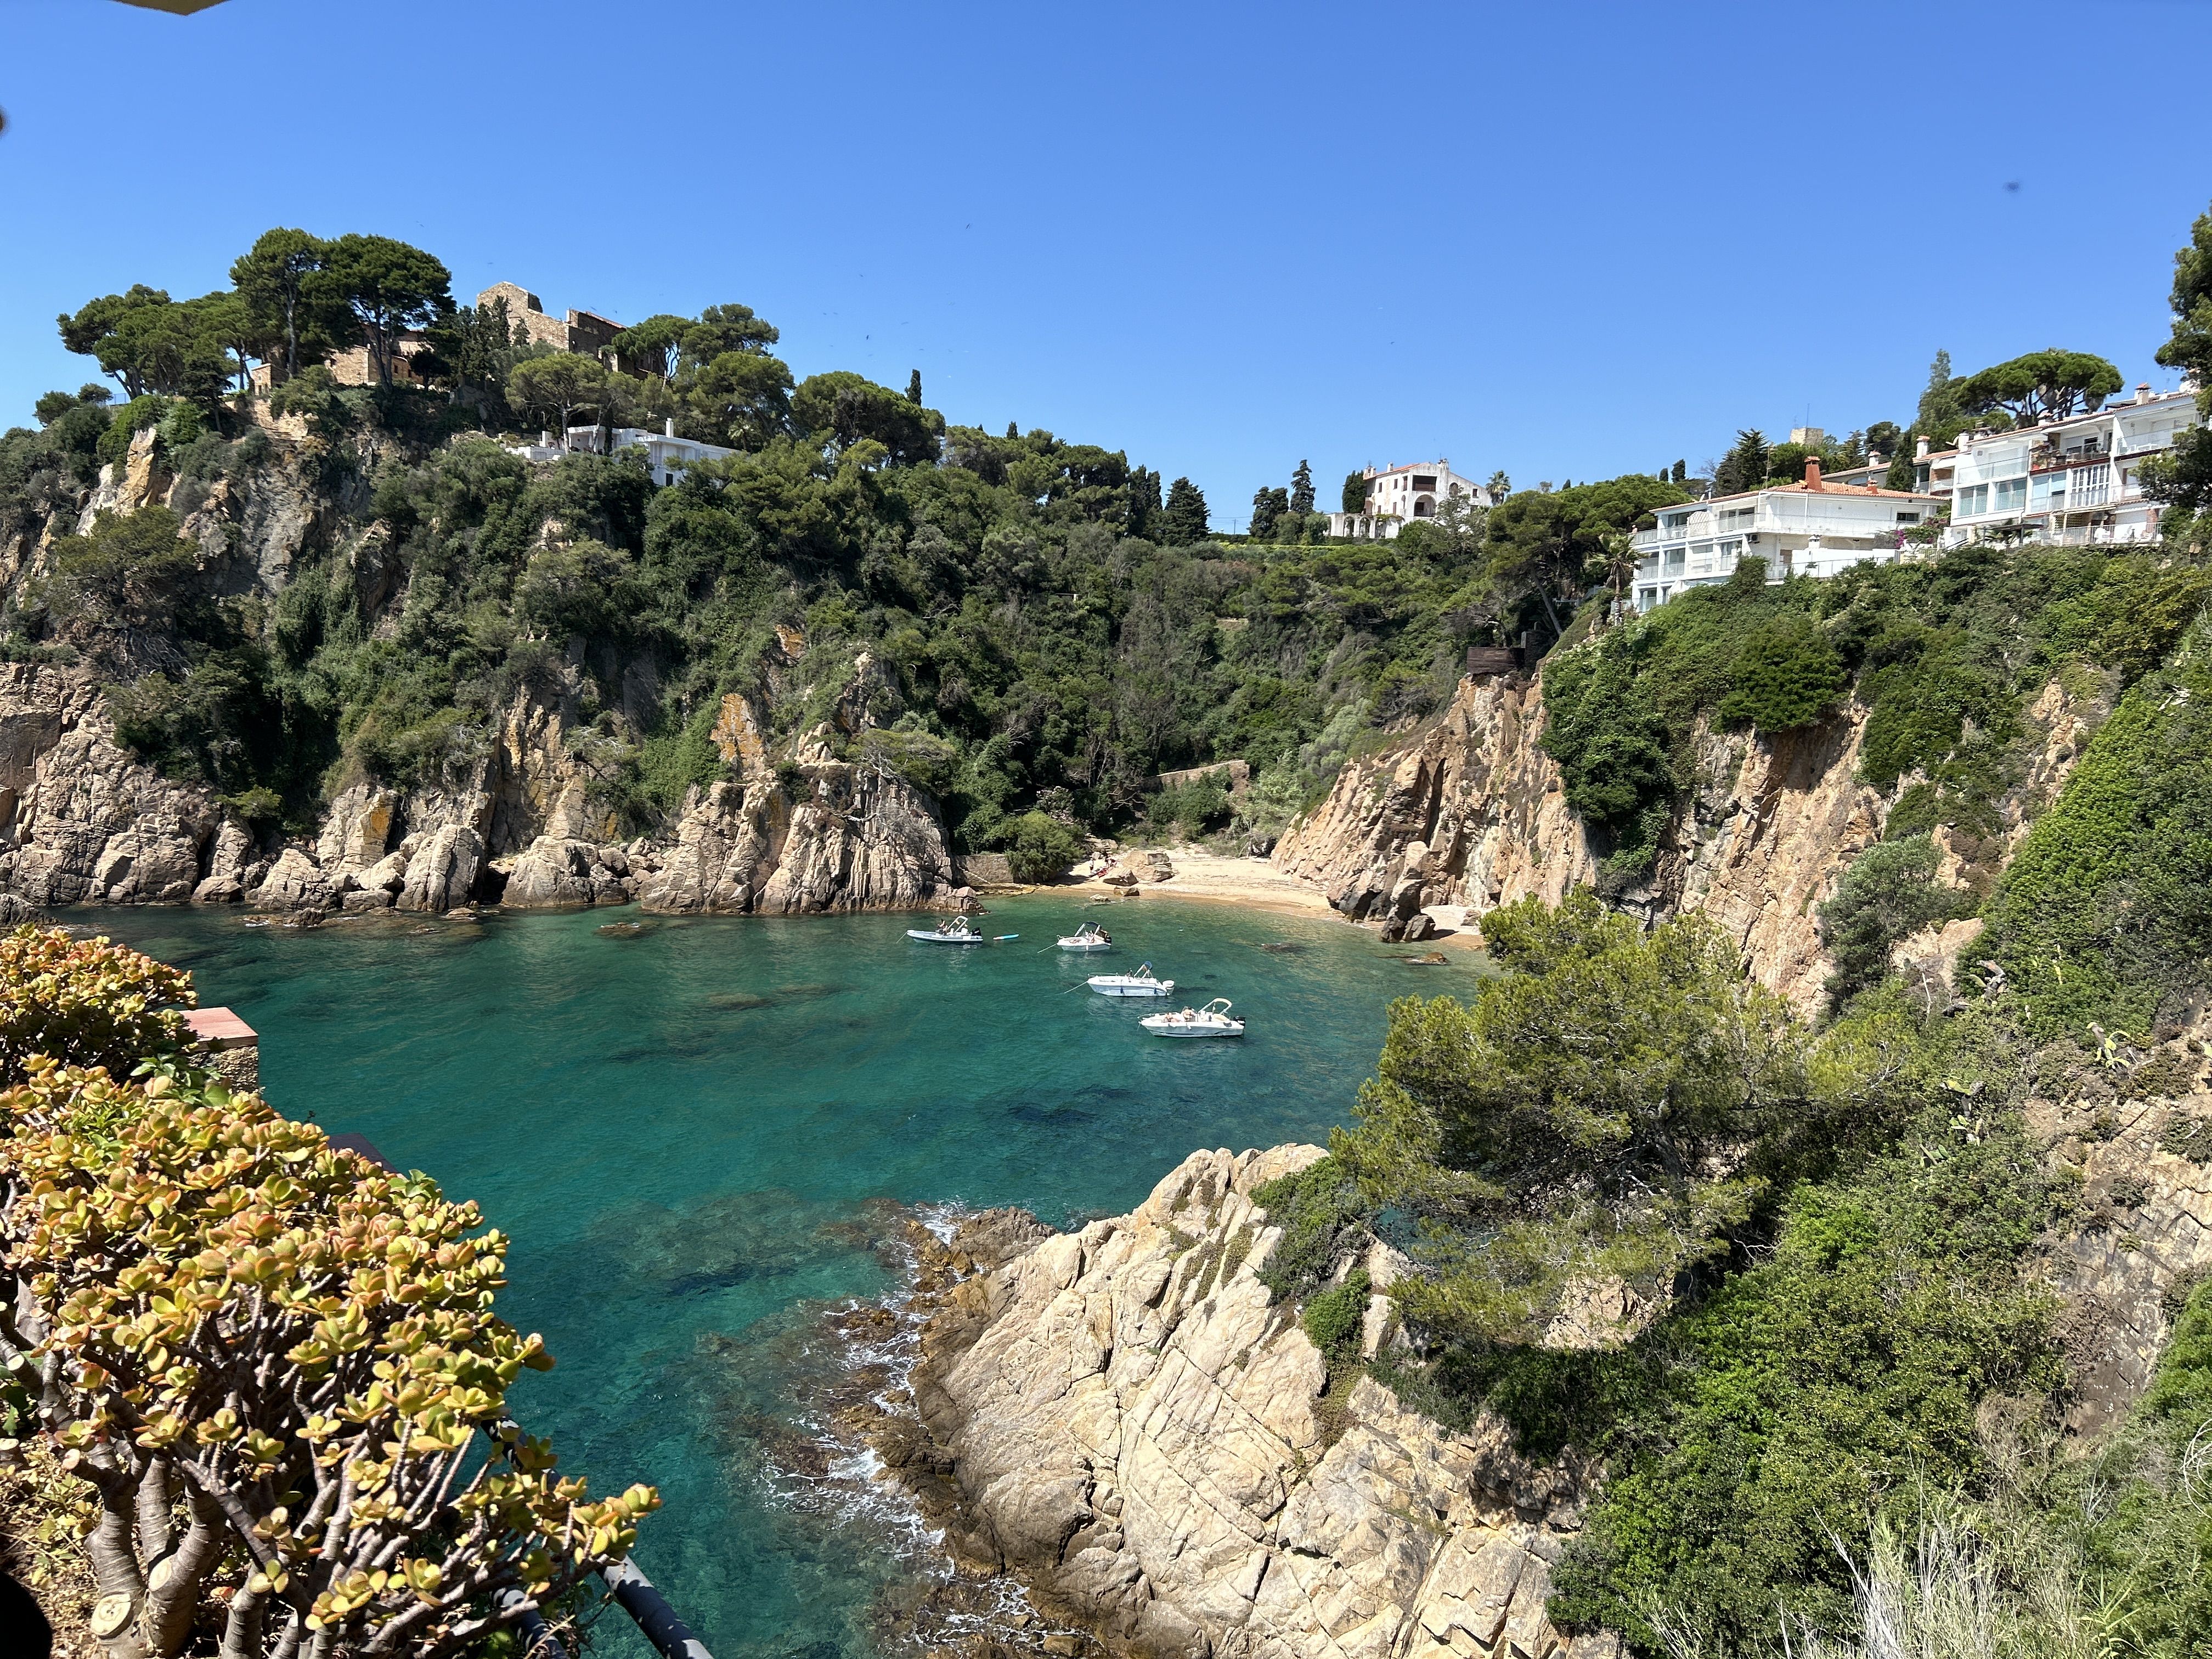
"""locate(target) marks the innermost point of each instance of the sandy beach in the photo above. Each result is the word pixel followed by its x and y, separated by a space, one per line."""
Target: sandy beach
pixel 1257 884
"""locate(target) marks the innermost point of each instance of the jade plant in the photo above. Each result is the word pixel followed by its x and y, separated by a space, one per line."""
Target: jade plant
pixel 277 1366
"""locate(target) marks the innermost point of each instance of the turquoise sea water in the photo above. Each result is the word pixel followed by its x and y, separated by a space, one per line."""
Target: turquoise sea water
pixel 693 1135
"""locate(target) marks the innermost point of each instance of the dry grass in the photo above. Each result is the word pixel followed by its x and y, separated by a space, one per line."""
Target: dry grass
pixel 43 1512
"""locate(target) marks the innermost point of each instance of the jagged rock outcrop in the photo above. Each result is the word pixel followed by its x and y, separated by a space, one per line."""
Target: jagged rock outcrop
pixel 1470 812
pixel 2134 1137
pixel 81 820
pixel 558 871
pixel 857 838
pixel 1473 811
pixel 1122 1416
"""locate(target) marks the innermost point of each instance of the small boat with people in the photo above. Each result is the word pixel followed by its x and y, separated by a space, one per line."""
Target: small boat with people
pixel 1089 937
pixel 1212 1021
pixel 953 930
pixel 1142 983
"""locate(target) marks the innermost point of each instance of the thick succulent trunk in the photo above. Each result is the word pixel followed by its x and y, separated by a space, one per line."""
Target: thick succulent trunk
pixel 241 1631
pixel 174 1585
pixel 115 1569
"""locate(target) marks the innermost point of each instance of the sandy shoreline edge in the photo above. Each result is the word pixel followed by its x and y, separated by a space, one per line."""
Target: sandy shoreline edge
pixel 1253 884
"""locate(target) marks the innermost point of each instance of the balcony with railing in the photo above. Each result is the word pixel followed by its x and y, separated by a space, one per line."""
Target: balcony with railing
pixel 2089 486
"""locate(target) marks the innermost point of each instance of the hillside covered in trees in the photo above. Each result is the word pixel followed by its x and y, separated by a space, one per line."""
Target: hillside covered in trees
pixel 1042 624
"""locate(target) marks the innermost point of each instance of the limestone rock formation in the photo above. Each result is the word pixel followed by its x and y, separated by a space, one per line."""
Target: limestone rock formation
pixel 1120 1416
pixel 859 838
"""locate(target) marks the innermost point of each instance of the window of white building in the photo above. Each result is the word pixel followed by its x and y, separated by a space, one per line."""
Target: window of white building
pixel 2011 495
pixel 1973 500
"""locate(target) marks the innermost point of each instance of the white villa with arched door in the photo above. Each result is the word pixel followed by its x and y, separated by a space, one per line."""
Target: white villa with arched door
pixel 1397 494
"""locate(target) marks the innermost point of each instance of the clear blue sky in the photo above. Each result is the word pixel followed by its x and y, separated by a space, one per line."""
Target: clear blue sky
pixel 1568 240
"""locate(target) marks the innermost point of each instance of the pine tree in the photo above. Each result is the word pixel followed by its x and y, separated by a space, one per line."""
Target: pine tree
pixel 1302 494
pixel 1744 467
pixel 1184 520
pixel 1013 429
pixel 914 387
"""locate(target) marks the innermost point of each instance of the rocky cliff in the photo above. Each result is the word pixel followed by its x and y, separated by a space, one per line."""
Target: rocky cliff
pixel 1472 812
pixel 1122 1417
pixel 512 818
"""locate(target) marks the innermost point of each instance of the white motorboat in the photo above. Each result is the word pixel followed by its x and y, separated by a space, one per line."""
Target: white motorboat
pixel 953 930
pixel 1212 1021
pixel 1142 983
pixel 1089 937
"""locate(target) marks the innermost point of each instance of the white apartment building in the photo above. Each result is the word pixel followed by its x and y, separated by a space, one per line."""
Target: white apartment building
pixel 1396 494
pixel 666 455
pixel 2073 482
pixel 1809 529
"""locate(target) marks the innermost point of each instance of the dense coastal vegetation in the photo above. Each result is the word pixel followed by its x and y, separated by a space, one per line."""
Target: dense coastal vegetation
pixel 1850 1400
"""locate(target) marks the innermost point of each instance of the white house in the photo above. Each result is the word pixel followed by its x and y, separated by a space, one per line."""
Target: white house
pixel 1396 494
pixel 1809 529
pixel 2072 481
pixel 666 455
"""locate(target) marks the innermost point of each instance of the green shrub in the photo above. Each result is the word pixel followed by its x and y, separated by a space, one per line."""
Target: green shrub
pixel 2104 913
pixel 1786 676
pixel 2190 1138
pixel 1194 807
pixel 1830 1382
pixel 1318 1209
pixel 1041 847
pixel 1888 894
pixel 127 422
pixel 313 393
pixel 1332 1317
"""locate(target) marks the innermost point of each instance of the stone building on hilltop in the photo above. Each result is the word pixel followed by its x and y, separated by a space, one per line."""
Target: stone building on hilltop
pixel 583 332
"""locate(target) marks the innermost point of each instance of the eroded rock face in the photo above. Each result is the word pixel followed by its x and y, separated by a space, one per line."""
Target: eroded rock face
pixel 1473 812
pixel 858 839
pixel 81 820
pixel 2141 1234
pixel 1469 812
pixel 441 870
pixel 554 870
pixel 1122 1416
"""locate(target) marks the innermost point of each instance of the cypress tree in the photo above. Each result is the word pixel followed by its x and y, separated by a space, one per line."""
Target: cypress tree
pixel 1144 502
pixel 1302 494
pixel 914 387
